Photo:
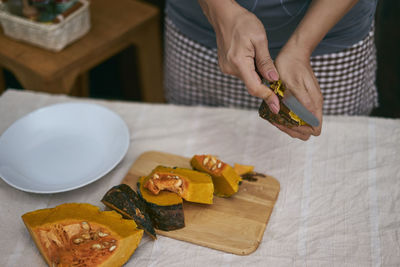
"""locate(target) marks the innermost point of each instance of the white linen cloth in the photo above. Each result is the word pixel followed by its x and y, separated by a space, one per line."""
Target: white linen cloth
pixel 339 203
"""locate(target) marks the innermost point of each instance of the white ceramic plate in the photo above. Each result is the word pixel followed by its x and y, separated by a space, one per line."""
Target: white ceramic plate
pixel 62 147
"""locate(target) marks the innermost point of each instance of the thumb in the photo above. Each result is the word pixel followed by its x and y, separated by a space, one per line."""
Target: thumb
pixel 255 86
pixel 266 68
pixel 264 63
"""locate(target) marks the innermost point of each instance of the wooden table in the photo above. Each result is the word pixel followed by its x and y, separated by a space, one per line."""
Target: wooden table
pixel 339 200
pixel 116 25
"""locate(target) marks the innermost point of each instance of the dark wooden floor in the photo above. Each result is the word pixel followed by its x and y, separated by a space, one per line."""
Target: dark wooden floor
pixel 116 79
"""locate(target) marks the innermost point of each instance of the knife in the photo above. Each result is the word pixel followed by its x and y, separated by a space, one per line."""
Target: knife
pixel 293 104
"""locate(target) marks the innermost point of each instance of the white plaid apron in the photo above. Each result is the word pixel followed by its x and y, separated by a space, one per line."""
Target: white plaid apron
pixel 192 77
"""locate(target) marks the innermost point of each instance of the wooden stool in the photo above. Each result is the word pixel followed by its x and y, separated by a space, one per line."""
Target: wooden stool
pixel 115 26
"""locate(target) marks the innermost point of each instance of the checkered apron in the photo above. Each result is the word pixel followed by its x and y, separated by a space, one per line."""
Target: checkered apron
pixel 192 77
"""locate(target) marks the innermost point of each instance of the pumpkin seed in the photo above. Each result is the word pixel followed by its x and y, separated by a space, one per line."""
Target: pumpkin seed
pixel 78 240
pixel 96 246
pixel 101 234
pixel 178 183
pixel 85 225
pixel 85 236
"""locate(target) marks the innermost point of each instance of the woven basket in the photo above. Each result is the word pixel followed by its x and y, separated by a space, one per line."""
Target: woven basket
pixel 53 37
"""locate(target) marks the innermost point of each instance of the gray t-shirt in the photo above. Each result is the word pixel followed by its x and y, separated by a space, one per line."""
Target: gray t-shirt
pixel 280 18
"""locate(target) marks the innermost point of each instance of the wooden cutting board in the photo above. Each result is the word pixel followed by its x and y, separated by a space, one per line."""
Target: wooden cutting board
pixel 234 224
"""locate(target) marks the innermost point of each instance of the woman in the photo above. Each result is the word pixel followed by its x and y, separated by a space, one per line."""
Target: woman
pixel 322 49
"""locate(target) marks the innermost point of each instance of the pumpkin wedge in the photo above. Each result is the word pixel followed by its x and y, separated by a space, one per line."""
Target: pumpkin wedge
pixel 79 234
pixel 191 185
pixel 226 180
pixel 165 209
pixel 125 201
pixel 241 169
pixel 285 116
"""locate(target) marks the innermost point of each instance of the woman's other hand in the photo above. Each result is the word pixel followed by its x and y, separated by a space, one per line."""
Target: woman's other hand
pixel 296 72
pixel 293 61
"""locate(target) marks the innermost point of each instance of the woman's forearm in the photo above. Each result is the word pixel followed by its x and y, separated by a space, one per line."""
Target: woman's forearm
pixel 321 16
pixel 220 11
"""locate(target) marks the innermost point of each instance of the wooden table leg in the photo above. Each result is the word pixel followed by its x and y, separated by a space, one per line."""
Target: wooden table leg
pixel 2 81
pixel 148 44
pixel 81 86
pixel 54 85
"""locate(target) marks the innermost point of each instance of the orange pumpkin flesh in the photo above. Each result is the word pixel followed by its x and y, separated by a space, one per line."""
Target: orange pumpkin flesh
pixel 226 180
pixel 166 181
pixel 76 234
pixel 191 185
pixel 242 169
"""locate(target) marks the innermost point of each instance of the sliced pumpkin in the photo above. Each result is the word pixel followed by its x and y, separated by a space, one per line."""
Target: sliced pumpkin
pixel 226 180
pixel 165 209
pixel 79 234
pixel 191 185
pixel 285 116
pixel 123 199
pixel 241 169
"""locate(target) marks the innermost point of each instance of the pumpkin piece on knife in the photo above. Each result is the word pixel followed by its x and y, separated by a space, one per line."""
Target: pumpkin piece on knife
pixel 285 116
pixel 79 234
pixel 226 180
pixel 123 199
pixel 191 185
pixel 165 209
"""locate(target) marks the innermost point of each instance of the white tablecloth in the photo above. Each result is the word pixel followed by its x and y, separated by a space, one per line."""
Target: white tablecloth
pixel 339 203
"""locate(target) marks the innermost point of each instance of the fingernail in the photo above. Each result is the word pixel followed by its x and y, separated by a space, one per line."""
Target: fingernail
pixel 274 108
pixel 272 75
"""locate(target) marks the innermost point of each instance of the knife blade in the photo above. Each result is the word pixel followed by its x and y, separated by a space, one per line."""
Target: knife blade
pixel 293 104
